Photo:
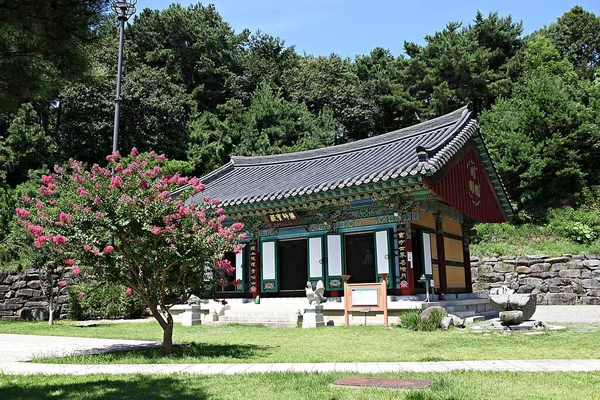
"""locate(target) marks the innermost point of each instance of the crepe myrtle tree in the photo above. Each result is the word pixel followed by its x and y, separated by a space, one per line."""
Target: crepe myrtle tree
pixel 124 226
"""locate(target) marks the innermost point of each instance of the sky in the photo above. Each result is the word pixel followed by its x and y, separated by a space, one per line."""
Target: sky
pixel 352 27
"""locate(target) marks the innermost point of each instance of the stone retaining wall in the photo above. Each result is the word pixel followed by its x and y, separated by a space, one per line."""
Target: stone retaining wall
pixel 556 280
pixel 21 297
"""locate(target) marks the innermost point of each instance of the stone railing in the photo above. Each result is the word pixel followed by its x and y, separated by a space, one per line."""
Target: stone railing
pixel 21 297
pixel 556 280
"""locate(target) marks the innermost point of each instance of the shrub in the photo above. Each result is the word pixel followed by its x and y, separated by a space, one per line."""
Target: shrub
pixel 412 320
pixel 103 301
pixel 581 225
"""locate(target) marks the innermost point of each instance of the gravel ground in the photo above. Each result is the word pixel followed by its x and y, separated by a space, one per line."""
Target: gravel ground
pixel 565 314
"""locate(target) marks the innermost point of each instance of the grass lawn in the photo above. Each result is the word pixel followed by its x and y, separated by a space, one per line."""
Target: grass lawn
pixel 451 385
pixel 255 344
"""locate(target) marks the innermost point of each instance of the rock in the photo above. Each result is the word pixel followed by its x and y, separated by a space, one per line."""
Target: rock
pixel 513 317
pixel 561 298
pixel 592 301
pixel 457 321
pixel 531 281
pixel 586 274
pixel 426 314
pixel 34 284
pixel 541 298
pixel 555 260
pixel 18 285
pixel 522 269
pixel 593 293
pixel 28 293
pixel 569 273
pixel 494 277
pixel 537 257
pixel 474 259
pixel 545 275
pixel 446 323
pixel 540 267
pixel 510 277
pixel 543 288
pixel 10 279
pixel 5 307
pixel 485 269
pixel 556 282
pixel 35 314
pixel 525 261
pixel 36 304
pixel 591 264
pixel 4 288
pixel 559 266
pixel 526 289
pixel 590 283
pixel 9 294
pixel 480 286
pixel 504 267
pixel 490 259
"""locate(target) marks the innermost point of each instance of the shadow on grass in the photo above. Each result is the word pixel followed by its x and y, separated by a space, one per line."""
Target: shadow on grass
pixel 129 387
pixel 154 354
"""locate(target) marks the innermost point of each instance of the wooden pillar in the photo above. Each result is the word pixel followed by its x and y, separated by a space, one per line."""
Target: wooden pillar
pixel 467 256
pixel 441 252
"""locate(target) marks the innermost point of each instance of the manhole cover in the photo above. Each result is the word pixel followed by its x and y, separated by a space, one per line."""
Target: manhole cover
pixel 382 383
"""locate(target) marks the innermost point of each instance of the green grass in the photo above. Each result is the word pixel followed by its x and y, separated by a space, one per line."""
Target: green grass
pixel 450 385
pixel 251 344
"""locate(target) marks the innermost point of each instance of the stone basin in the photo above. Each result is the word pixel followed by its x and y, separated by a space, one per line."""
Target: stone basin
pixel 509 302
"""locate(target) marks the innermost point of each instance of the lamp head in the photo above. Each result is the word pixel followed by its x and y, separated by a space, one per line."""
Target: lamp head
pixel 123 8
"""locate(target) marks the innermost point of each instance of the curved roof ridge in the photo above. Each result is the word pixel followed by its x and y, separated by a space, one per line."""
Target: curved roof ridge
pixel 449 121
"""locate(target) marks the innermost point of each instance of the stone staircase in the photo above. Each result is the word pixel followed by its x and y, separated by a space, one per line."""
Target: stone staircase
pixel 286 312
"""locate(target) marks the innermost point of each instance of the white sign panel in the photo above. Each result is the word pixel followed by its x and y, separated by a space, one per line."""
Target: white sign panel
pixel 334 255
pixel 315 251
pixel 427 254
pixel 364 297
pixel 239 262
pixel 381 248
pixel 268 260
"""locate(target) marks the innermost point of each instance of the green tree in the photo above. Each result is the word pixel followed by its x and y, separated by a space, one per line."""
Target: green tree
pixel 42 45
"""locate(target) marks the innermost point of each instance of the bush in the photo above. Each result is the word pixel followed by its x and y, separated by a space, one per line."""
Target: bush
pixel 581 225
pixel 412 320
pixel 103 301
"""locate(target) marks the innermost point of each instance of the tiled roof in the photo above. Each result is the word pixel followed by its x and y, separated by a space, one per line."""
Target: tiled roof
pixel 420 149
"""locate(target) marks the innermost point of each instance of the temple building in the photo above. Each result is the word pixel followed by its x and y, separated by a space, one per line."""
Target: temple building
pixel 401 203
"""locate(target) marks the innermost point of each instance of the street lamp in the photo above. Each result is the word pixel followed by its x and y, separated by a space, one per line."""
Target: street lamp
pixel 124 10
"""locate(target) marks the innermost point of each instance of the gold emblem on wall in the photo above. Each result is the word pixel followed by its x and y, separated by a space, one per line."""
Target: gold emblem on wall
pixel 474 183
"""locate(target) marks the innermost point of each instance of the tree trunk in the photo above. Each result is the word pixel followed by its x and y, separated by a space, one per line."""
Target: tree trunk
pixel 51 309
pixel 168 338
pixel 165 320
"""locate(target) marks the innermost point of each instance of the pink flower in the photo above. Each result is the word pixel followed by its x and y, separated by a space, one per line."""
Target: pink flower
pixel 114 157
pixel 64 217
pixel 46 179
pixel 128 291
pixel 82 192
pixel 220 211
pixel 97 200
pixel 87 247
pixel 237 226
pixel 35 230
pixel 199 188
pixel 59 240
pixel 62 283
pixel 144 184
pixel 109 249
pixel 134 152
pixel 116 181
pixel 69 261
pixel 119 167
pixel 80 294
pixel 44 191
pixel 22 212
pixel 39 204
pixel 157 230
pixel 75 270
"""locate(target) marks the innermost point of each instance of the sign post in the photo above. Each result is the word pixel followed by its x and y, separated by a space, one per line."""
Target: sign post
pixel 359 297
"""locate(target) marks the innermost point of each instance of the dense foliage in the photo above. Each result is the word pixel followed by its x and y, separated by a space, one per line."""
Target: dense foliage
pixel 103 301
pixel 197 91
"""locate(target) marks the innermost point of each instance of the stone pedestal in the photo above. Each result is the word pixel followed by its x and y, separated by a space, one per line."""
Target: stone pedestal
pixel 191 315
pixel 313 317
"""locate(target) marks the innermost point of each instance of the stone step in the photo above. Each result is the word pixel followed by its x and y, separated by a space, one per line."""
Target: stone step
pixel 258 320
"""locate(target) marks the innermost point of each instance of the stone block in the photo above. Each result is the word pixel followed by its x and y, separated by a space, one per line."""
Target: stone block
pixel 313 317
pixel 574 265
pixel 446 323
pixel 474 260
pixel 10 318
pixel 4 307
pixel 556 260
pixel 592 256
pixel 590 283
pixel 513 317
pixel 559 266
pixel 555 289
pixel 3 275
pixel 525 261
pixel 15 300
pixel 541 299
pixel 18 285
pixel 586 274
pixel 34 284
pixel 480 286
pixel 531 281
pixel 510 277
pixel 490 259
pixel 4 313
pixel 36 304
pixel 557 282
pixel 523 269
pixel 545 275
pixel 526 289
pixel 9 294
pixel 28 293
pixel 485 269
pixel 191 315
pixel 504 267
pixel 10 279
pixel 569 273
pixel 543 288
pixel 540 267
pixel 426 314
pixel 561 298
pixel 593 293
pixel 591 264
pixel 493 277
pixel 592 301
pixel 4 288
